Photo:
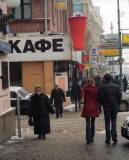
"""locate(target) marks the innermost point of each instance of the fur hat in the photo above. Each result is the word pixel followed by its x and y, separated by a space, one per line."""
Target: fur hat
pixel 38 88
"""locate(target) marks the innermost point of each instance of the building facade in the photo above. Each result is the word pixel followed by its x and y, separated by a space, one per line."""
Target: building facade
pixel 37 57
pixel 94 29
pixel 7 114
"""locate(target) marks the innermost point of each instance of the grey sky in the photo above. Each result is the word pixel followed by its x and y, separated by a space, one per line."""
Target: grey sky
pixel 108 10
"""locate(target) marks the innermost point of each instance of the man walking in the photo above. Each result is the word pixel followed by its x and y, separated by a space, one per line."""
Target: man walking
pixel 76 91
pixel 58 96
pixel 109 96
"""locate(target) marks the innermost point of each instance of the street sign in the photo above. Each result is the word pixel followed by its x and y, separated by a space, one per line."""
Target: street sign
pixel 93 52
pixel 112 62
pixel 125 39
pixel 109 45
pixel 118 60
pixel 109 38
pixel 110 52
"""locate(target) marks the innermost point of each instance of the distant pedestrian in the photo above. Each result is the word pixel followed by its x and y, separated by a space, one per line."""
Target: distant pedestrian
pixel 39 110
pixel 98 84
pixel 58 96
pixel 90 109
pixel 110 96
pixel 84 82
pixel 76 91
pixel 116 81
pixel 125 83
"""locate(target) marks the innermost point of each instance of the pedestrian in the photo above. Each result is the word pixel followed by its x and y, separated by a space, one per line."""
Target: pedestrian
pixel 58 96
pixel 98 83
pixel 116 80
pixel 109 96
pixel 39 110
pixel 84 82
pixel 76 91
pixel 125 82
pixel 90 109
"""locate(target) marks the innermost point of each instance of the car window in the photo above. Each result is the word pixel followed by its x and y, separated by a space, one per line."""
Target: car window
pixel 22 92
pixel 13 95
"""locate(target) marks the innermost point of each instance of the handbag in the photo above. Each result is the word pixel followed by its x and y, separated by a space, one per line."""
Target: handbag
pixel 31 122
pixel 82 99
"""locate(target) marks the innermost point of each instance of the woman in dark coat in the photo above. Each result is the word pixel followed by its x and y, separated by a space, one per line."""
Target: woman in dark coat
pixel 90 109
pixel 39 109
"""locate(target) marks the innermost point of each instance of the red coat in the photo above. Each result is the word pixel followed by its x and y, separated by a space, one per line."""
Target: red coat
pixel 90 109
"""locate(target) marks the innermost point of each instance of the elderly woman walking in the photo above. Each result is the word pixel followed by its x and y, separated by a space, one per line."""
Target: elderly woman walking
pixel 90 109
pixel 39 110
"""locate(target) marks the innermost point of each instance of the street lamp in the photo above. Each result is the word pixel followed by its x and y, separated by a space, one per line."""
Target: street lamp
pixel 4 18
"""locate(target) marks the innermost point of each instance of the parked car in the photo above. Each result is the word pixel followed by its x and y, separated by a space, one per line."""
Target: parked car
pixel 24 97
pixel 125 129
pixel 124 104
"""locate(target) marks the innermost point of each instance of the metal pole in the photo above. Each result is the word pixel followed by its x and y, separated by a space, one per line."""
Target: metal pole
pixel 45 16
pixel 120 49
pixel 67 17
pixel 18 116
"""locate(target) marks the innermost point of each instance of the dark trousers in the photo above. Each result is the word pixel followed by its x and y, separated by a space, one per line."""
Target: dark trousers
pixel 99 107
pixel 59 110
pixel 125 88
pixel 77 101
pixel 110 114
pixel 90 129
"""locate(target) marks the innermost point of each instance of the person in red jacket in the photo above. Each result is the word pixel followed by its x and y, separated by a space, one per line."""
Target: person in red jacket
pixel 90 109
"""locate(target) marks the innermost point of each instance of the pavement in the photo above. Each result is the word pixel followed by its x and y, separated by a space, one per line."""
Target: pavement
pixel 66 141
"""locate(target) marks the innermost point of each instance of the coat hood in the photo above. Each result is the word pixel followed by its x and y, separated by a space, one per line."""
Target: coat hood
pixel 90 89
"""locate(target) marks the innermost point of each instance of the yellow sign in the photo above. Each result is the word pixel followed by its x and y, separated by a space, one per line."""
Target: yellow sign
pixel 61 4
pixel 126 41
pixel 110 52
pixel 87 67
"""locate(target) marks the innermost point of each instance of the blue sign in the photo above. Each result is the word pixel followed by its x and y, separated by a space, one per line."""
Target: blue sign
pixel 5 47
pixel 93 52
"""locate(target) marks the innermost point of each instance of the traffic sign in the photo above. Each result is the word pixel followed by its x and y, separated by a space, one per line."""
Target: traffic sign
pixel 109 38
pixel 125 39
pixel 110 52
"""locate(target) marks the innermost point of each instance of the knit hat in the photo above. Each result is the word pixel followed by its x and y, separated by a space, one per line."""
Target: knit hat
pixel 38 88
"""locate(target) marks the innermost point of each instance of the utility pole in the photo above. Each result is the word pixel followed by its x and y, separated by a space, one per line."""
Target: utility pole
pixel 112 57
pixel 120 49
pixel 45 16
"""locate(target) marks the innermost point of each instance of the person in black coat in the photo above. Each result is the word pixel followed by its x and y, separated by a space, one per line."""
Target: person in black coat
pixel 109 96
pixel 116 81
pixel 98 84
pixel 125 82
pixel 76 91
pixel 39 110
pixel 58 96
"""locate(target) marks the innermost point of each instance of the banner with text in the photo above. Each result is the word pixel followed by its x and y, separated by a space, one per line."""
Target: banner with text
pixel 61 4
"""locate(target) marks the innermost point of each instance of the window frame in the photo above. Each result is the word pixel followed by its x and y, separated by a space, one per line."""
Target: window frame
pixel 22 5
